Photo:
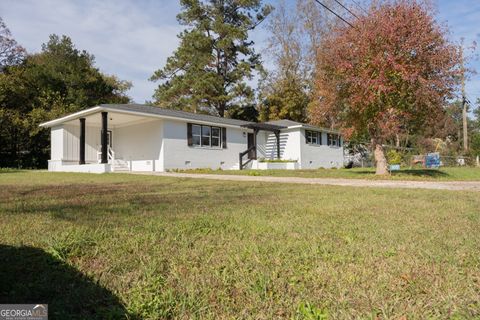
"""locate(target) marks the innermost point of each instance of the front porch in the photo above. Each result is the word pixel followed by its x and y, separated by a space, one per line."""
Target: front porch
pixel 252 146
pixel 106 142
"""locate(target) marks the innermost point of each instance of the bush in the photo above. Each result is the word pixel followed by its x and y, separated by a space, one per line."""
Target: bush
pixel 394 157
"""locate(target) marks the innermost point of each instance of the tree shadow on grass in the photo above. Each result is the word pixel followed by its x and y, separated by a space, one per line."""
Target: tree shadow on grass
pixel 31 275
pixel 431 173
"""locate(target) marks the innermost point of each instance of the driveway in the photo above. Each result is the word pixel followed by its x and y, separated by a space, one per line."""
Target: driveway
pixel 434 185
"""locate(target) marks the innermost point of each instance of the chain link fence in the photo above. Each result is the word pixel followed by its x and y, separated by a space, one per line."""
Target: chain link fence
pixel 366 160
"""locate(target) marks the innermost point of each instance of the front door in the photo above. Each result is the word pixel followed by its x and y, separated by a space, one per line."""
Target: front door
pixel 109 138
pixel 251 143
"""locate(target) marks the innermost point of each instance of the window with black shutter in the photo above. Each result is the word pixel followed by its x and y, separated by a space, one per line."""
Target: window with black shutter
pixel 206 136
pixel 313 137
pixel 224 138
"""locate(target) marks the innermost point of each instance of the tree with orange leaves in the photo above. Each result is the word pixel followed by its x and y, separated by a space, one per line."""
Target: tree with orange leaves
pixel 390 73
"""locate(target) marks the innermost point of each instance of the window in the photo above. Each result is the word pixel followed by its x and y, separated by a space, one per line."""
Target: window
pixel 333 140
pixel 206 131
pixel 196 134
pixel 313 137
pixel 309 136
pixel 205 136
pixel 215 137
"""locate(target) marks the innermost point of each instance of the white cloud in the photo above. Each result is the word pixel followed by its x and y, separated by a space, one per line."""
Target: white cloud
pixel 132 39
pixel 128 39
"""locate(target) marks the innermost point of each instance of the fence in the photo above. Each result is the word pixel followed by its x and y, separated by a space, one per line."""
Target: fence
pixel 412 160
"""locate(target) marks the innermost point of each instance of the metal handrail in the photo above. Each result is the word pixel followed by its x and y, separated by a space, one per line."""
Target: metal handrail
pixel 110 156
pixel 240 156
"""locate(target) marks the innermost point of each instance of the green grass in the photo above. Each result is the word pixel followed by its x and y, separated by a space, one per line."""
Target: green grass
pixel 114 246
pixel 443 174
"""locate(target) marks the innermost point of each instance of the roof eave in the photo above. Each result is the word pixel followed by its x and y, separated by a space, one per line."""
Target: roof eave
pixel 171 117
pixel 100 108
pixel 318 128
pixel 70 117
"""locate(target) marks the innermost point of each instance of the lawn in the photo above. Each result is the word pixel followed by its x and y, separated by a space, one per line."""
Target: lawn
pixel 128 246
pixel 443 174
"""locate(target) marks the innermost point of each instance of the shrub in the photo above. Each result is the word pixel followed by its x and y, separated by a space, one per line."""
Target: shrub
pixel 394 157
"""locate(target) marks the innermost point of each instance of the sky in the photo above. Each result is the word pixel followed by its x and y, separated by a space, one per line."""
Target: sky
pixel 132 39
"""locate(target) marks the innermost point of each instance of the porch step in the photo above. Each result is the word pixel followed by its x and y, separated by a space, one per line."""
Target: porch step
pixel 249 165
pixel 121 165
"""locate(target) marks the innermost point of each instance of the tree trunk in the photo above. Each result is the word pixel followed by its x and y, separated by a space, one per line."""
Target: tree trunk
pixel 380 160
pixel 465 125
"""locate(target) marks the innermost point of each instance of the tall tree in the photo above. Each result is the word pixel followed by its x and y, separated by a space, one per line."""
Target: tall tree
pixel 282 91
pixel 11 52
pixel 284 98
pixel 294 33
pixel 58 80
pixel 391 72
pixel 208 70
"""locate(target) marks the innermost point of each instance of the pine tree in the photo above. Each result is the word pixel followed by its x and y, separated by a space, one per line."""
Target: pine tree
pixel 207 72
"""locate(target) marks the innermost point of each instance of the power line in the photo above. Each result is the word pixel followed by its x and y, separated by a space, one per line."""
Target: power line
pixel 338 16
pixel 358 5
pixel 344 7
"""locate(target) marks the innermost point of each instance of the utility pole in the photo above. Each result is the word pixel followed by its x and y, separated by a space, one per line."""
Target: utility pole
pixel 464 102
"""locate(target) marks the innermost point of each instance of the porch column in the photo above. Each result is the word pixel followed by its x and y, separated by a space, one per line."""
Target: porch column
pixel 82 142
pixel 104 137
pixel 277 135
pixel 255 132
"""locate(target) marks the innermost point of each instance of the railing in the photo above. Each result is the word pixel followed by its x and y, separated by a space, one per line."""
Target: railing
pixel 241 164
pixel 110 157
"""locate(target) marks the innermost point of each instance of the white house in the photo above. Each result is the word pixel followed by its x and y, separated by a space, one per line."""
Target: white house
pixel 134 137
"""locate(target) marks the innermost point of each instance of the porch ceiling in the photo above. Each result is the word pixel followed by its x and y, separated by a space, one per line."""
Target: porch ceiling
pixel 115 119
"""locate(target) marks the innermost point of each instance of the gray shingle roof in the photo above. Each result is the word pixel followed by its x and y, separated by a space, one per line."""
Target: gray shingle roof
pixel 285 123
pixel 290 123
pixel 174 113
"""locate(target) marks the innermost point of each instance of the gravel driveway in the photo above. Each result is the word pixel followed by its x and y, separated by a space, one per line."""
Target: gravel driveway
pixel 437 185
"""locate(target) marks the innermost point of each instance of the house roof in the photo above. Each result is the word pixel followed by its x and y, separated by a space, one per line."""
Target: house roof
pixel 142 108
pixel 263 126
pixel 292 124
pixel 146 110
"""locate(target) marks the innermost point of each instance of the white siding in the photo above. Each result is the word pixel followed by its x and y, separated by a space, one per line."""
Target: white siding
pixel 262 138
pixel 140 145
pixel 71 143
pixel 178 155
pixel 294 147
pixel 289 146
pixel 56 146
pixel 320 156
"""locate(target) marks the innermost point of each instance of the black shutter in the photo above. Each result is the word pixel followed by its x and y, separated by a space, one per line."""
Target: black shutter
pixel 224 138
pixel 189 134
pixel 306 134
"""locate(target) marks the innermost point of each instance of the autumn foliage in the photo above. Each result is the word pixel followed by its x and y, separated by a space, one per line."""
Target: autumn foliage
pixel 390 73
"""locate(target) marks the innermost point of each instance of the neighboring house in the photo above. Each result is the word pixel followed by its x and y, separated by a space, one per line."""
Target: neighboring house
pixel 133 137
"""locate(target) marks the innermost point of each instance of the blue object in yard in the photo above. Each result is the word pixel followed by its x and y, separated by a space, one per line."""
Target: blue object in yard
pixel 394 167
pixel 432 160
